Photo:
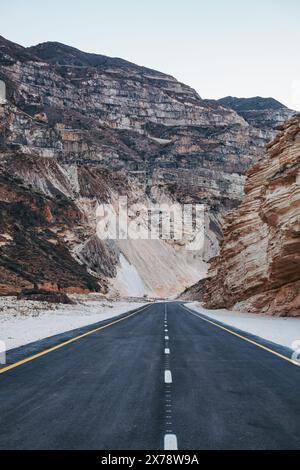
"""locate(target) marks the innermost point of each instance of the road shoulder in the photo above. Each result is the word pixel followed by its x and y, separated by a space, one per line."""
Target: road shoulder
pixel 20 353
pixel 278 334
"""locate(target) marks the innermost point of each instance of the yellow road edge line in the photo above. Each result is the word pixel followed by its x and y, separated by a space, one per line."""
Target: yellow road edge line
pixel 244 338
pixel 65 343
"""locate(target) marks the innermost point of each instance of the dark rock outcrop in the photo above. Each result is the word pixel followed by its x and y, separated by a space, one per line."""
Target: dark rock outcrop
pixel 40 295
pixel 194 292
pixel 33 249
pixel 262 113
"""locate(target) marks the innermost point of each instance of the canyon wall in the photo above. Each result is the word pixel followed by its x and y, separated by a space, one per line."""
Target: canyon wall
pixel 258 269
pixel 78 130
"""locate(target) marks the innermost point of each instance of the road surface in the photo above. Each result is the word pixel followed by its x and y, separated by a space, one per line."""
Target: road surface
pixel 161 377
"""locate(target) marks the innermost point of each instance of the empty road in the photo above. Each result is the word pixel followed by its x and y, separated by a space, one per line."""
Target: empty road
pixel 160 377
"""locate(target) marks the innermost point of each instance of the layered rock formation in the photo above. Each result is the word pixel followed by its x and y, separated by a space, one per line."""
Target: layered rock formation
pixel 258 269
pixel 82 129
pixel 262 113
pixel 33 232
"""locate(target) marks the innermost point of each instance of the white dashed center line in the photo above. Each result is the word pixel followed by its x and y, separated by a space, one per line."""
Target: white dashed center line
pixel 168 377
pixel 170 442
pixel 170 439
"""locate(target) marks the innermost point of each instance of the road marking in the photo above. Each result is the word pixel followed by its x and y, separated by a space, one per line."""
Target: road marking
pixel 168 377
pixel 170 439
pixel 170 442
pixel 65 343
pixel 244 338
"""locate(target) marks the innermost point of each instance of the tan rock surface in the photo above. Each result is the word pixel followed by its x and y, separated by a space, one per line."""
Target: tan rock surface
pixel 258 269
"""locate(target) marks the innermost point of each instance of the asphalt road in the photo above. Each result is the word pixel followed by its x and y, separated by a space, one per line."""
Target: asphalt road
pixel 162 377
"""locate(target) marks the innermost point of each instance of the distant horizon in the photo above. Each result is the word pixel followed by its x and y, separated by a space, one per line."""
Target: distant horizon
pixel 240 49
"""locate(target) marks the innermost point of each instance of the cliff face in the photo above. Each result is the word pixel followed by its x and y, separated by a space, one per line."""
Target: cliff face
pixel 84 129
pixel 258 269
pixel 262 113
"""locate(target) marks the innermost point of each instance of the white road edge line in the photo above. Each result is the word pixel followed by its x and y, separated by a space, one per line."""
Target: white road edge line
pixel 170 442
pixel 168 377
pixel 255 343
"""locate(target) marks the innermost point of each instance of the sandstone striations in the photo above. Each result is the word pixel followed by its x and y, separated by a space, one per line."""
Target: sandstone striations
pixel 82 129
pixel 258 269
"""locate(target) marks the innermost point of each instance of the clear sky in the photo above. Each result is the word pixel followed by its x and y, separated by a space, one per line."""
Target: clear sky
pixel 219 47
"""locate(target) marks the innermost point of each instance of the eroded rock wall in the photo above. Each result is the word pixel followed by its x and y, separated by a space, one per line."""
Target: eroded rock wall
pixel 258 269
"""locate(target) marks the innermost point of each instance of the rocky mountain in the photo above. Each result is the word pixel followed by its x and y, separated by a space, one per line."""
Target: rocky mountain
pixel 78 130
pixel 258 269
pixel 262 113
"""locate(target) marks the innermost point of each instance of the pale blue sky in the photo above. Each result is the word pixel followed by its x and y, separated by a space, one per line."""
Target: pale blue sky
pixel 219 47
